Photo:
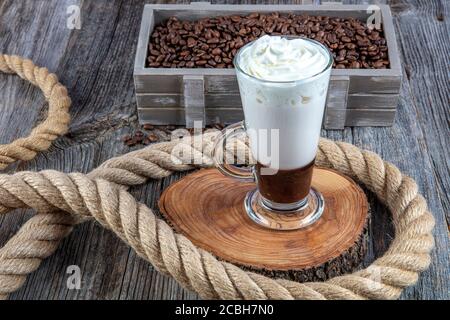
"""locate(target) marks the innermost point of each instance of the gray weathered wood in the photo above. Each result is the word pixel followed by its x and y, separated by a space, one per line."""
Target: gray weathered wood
pixel 369 117
pixel 177 116
pixel 216 100
pixel 372 101
pixel 336 107
pixel 147 25
pixel 194 100
pixel 96 64
pixel 336 99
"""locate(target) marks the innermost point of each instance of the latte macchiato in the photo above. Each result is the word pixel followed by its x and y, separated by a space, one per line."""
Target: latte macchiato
pixel 294 108
pixel 283 83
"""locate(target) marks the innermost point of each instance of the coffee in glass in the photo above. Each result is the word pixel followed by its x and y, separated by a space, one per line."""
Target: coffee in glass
pixel 283 82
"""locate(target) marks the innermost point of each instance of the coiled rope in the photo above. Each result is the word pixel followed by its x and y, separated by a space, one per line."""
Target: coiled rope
pixel 101 195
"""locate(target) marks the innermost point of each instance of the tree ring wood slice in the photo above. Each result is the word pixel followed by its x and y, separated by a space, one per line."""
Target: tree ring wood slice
pixel 208 208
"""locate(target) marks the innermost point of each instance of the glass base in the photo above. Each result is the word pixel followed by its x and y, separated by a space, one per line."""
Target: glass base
pixel 284 216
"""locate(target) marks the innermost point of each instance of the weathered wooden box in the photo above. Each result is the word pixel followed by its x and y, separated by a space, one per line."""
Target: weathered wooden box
pixel 356 97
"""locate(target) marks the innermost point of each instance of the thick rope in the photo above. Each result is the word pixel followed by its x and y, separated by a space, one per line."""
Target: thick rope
pixel 194 268
pixel 38 238
pixel 58 117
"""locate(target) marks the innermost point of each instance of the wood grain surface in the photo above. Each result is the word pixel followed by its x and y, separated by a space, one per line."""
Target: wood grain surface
pixel 96 64
pixel 213 216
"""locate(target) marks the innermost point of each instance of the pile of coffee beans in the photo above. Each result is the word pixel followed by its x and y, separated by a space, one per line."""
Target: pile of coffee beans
pixel 213 42
pixel 141 136
pixel 148 133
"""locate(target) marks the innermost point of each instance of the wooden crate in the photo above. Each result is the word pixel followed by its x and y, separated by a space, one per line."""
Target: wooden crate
pixel 356 97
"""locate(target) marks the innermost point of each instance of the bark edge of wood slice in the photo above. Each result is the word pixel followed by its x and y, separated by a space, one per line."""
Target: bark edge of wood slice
pixel 208 208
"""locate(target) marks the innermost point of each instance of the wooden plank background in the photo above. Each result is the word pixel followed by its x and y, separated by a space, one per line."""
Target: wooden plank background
pixel 96 64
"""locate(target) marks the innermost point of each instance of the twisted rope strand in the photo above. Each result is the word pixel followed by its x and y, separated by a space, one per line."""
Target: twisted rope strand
pixel 36 240
pixel 196 269
pixel 58 118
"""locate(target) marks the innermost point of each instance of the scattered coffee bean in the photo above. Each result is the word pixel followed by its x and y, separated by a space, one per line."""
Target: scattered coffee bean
pixel 152 137
pixel 131 143
pixel 213 42
pixel 148 126
pixel 219 126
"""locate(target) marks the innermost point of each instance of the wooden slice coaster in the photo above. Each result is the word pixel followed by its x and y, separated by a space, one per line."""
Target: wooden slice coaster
pixel 208 208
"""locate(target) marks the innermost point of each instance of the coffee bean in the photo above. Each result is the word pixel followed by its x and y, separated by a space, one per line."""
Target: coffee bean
pixel 378 64
pixel 154 52
pixel 243 32
pixel 213 42
pixel 346 39
pixel 219 126
pixel 216 51
pixel 152 137
pixel 332 38
pixel 191 42
pixel 148 126
pixel 361 32
pixel 131 143
pixel 316 28
pixel 355 65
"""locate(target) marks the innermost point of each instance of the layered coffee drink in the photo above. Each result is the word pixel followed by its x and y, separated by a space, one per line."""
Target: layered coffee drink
pixel 283 82
pixel 281 101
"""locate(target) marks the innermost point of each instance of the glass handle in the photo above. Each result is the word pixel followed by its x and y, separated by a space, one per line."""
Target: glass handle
pixel 244 174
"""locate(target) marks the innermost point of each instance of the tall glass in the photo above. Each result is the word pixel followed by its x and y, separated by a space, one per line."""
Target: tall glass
pixel 285 118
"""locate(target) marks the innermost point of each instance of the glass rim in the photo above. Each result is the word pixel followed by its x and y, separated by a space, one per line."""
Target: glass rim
pixel 324 48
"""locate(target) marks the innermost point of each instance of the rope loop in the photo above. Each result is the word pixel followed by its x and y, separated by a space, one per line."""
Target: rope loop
pixel 58 118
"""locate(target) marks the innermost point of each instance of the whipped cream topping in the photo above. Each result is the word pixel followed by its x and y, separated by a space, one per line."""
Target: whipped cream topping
pixel 274 58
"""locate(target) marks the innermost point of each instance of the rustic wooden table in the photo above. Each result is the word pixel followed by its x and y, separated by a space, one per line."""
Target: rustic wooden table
pixel 96 65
